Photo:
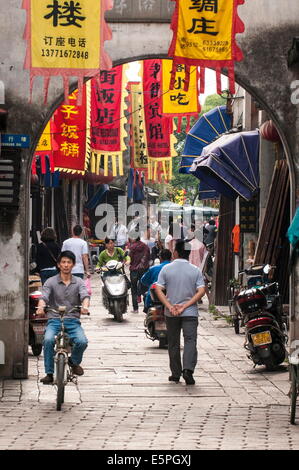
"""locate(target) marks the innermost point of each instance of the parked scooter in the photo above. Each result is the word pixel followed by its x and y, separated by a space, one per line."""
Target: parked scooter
pixel 37 324
pixel 155 324
pixel 265 325
pixel 115 289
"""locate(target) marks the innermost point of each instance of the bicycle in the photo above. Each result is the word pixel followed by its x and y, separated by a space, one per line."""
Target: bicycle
pixel 63 348
pixel 236 318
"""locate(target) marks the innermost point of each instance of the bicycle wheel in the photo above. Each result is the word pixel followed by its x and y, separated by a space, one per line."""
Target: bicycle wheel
pixel 60 367
pixel 293 392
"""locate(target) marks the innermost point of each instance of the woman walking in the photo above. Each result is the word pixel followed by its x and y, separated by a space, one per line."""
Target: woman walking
pixel 46 254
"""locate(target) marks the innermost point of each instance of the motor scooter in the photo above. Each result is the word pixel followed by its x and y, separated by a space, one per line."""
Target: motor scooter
pixel 37 324
pixel 114 289
pixel 155 324
pixel 265 324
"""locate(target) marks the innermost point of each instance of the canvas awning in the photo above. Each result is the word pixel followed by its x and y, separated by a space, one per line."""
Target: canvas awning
pixel 230 165
pixel 209 127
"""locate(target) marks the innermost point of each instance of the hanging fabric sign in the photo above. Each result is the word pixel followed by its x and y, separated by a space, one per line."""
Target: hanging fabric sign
pixel 43 150
pixel 178 102
pixel 108 90
pixel 204 35
pixel 66 38
pixel 70 136
pixel 160 140
pixel 139 157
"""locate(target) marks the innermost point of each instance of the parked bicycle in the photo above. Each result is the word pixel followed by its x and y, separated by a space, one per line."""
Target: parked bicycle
pixel 63 348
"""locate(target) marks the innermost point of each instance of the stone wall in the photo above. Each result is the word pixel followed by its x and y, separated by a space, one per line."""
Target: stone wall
pixel 270 28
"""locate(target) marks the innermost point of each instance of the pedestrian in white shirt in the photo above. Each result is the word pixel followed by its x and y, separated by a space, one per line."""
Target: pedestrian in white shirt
pixel 119 233
pixel 80 249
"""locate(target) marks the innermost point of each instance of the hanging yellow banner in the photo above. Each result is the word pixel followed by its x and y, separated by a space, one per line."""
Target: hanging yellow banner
pixel 205 30
pixel 204 34
pixel 45 142
pixel 66 38
pixel 177 101
pixel 65 34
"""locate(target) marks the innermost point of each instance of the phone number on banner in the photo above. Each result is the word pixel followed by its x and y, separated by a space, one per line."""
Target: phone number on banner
pixel 71 54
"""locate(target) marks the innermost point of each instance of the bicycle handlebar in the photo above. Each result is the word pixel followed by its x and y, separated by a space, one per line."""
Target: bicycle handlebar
pixel 64 311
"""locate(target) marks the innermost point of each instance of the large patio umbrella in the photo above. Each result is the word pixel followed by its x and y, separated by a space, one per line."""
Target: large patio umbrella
pixel 230 165
pixel 209 127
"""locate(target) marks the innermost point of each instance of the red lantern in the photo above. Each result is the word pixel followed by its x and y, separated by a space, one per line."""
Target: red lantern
pixel 269 132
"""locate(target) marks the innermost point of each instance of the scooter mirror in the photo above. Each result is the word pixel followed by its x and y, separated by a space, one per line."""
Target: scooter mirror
pixel 267 269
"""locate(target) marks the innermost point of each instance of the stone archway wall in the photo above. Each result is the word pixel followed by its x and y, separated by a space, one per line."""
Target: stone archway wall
pixel 270 28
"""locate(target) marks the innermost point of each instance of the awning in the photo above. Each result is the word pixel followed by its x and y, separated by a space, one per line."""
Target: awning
pixel 230 165
pixel 205 192
pixel 209 127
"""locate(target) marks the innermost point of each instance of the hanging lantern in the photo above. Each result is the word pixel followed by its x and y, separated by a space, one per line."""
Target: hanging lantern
pixel 269 132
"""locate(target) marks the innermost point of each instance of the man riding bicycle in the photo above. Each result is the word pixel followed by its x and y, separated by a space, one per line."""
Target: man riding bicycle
pixel 67 290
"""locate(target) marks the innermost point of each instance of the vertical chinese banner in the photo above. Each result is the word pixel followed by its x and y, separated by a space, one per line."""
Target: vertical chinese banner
pixel 204 35
pixel 178 102
pixel 160 141
pixel 70 126
pixel 43 150
pixel 66 38
pixel 138 141
pixel 108 91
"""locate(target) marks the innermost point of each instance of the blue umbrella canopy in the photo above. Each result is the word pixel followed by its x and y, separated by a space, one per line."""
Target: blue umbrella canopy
pixel 209 127
pixel 230 165
pixel 205 192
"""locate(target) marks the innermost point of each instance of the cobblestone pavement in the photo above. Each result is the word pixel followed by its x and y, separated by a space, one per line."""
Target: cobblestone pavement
pixel 124 400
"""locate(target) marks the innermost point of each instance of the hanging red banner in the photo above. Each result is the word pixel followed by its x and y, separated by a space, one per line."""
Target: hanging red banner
pixel 70 129
pixel 204 35
pixel 160 141
pixel 108 90
pixel 66 38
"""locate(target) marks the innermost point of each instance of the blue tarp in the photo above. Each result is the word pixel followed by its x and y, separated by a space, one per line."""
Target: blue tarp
pixel 230 165
pixel 208 128
pixel 95 199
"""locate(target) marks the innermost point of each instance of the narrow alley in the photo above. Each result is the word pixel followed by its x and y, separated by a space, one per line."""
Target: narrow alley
pixel 124 400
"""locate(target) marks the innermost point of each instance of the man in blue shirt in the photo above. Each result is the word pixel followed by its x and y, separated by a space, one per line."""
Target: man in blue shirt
pixel 185 286
pixel 151 276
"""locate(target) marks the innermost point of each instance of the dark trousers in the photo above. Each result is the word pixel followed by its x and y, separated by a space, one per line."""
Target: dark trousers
pixel 135 277
pixel 189 327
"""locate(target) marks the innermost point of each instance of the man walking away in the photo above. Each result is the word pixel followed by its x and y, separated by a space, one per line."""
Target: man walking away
pixel 80 248
pixel 184 286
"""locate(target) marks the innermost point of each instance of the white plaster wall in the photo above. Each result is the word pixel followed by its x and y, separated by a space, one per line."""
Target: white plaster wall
pixel 11 269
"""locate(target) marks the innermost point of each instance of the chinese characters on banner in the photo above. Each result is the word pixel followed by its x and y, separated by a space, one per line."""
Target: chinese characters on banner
pixel 204 35
pixel 66 38
pixel 108 90
pixel 138 142
pixel 178 102
pixel 44 149
pixel 70 126
pixel 160 140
